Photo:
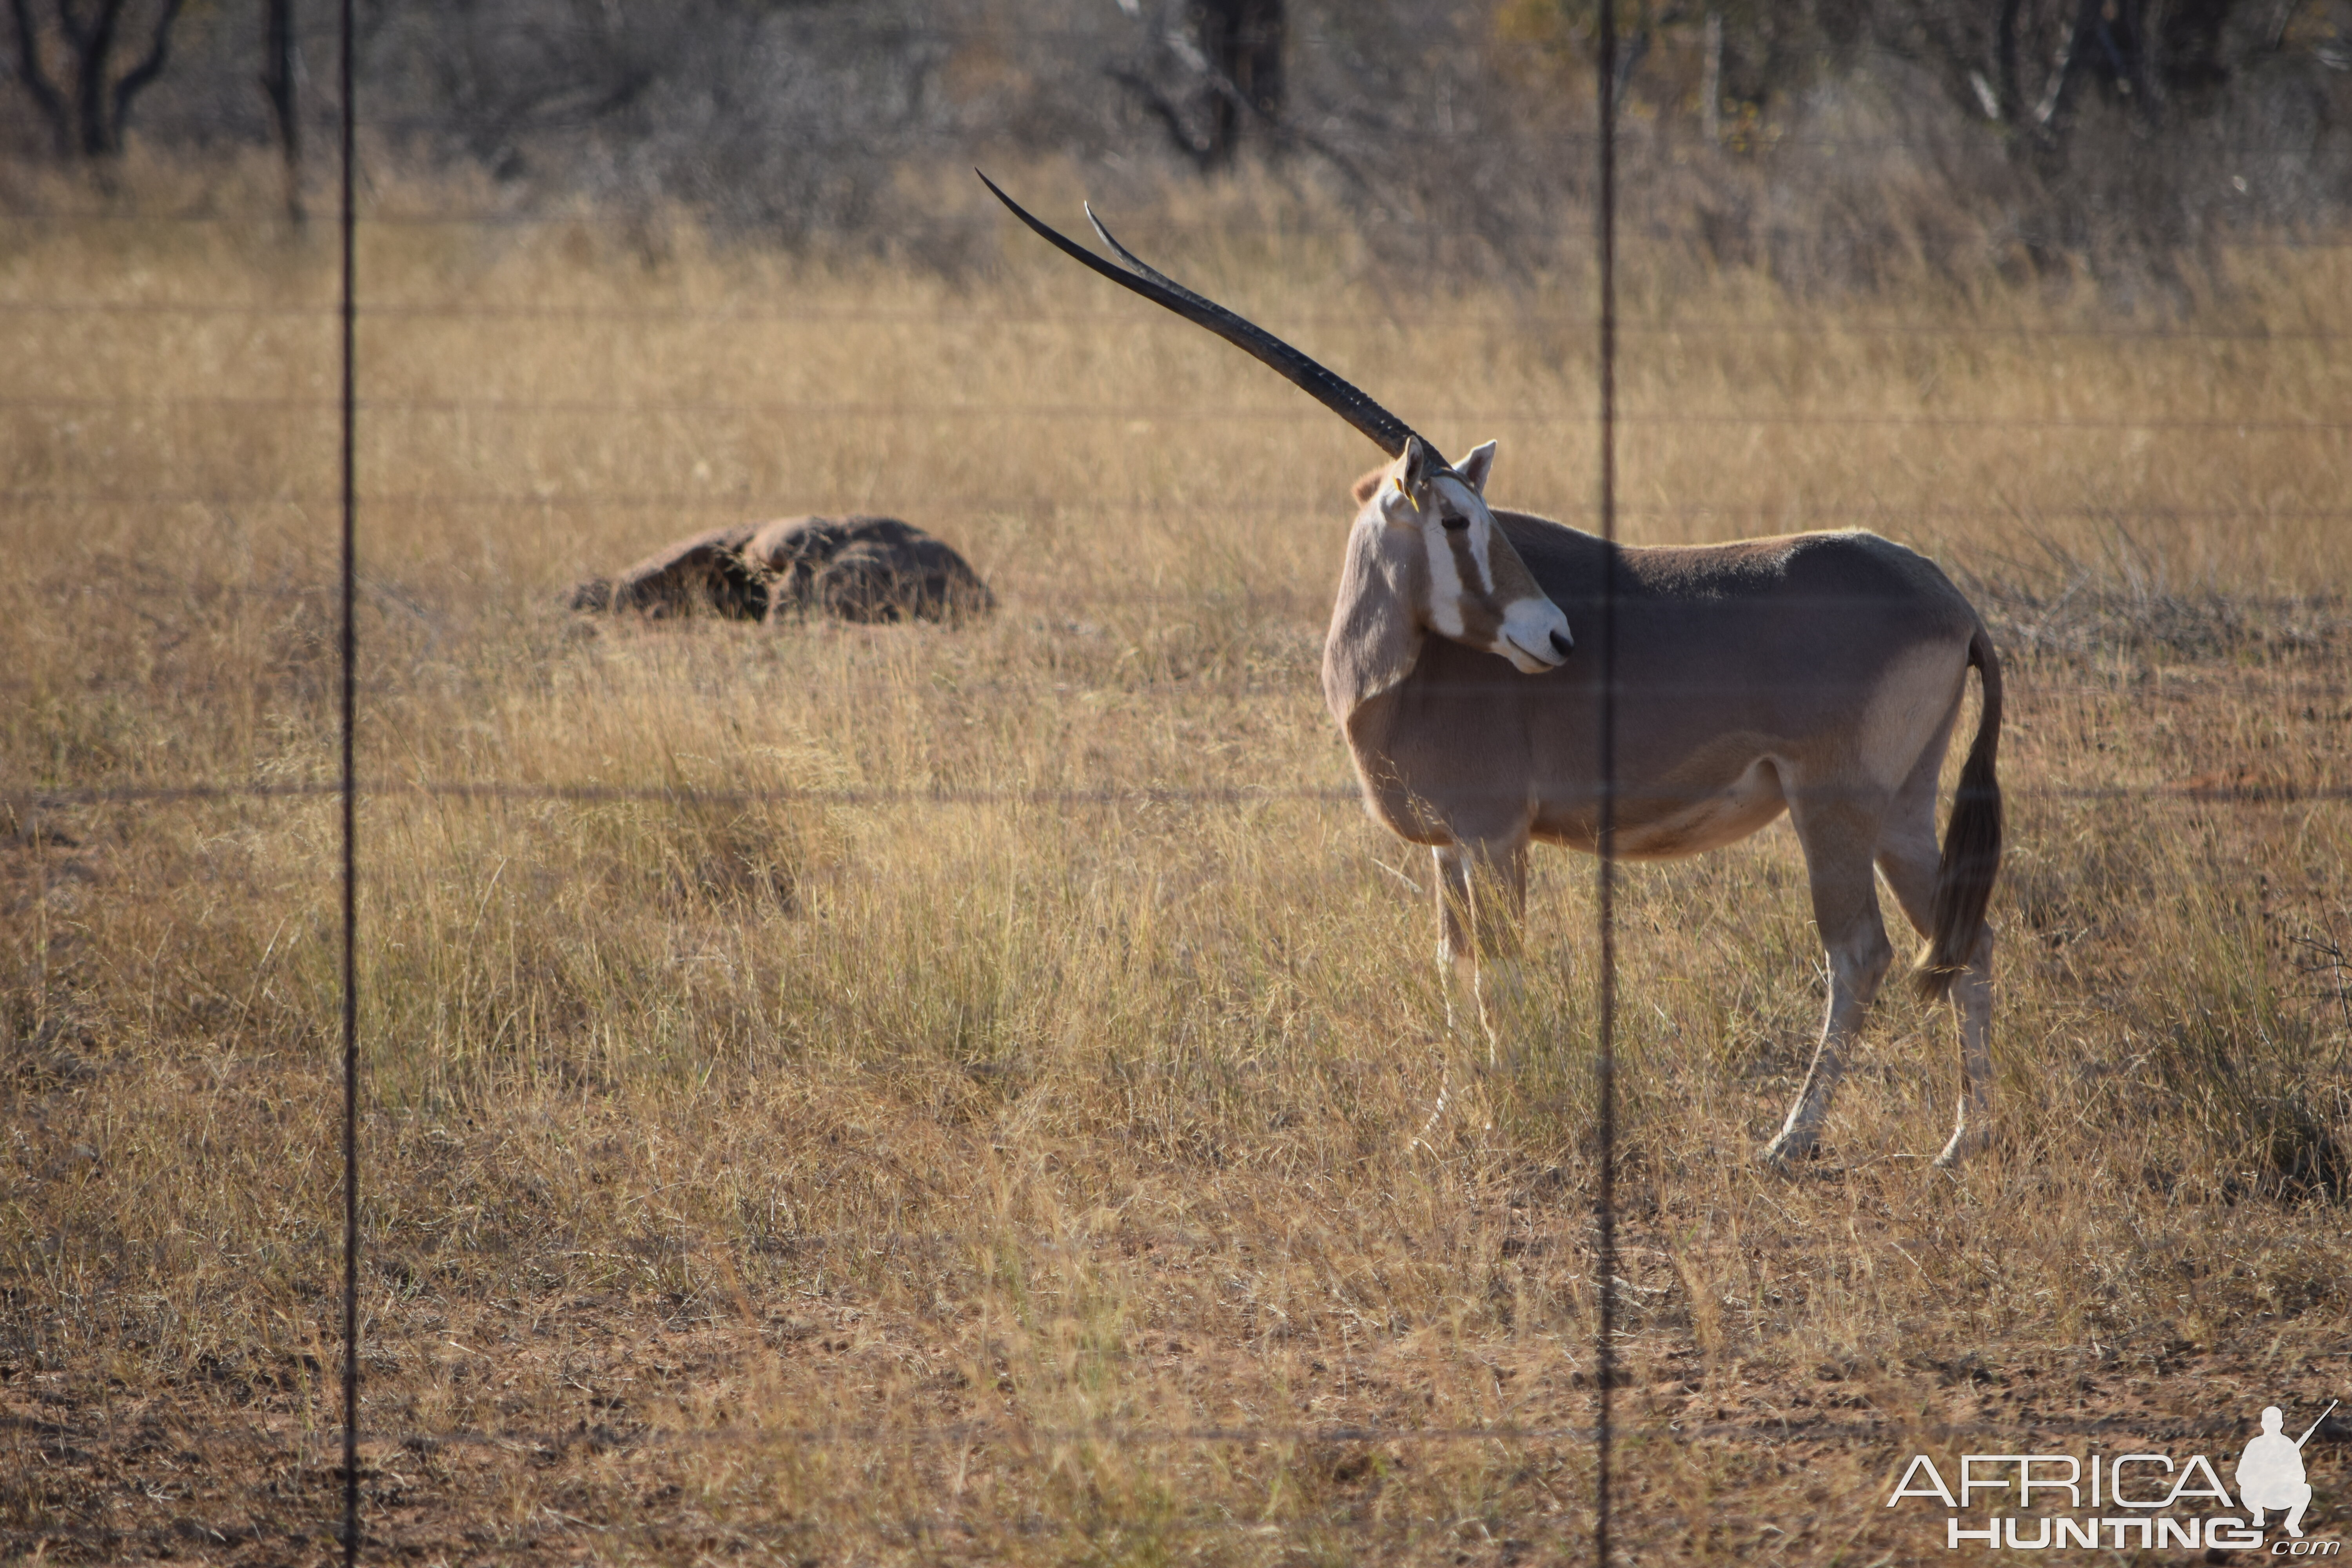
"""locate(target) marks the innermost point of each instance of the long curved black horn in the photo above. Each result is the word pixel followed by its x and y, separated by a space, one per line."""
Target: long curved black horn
pixel 1387 431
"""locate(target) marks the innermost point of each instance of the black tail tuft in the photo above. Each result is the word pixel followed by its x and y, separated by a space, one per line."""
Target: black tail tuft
pixel 1971 857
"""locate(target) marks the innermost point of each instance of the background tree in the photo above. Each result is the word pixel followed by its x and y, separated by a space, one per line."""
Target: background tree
pixel 1830 143
pixel 277 85
pixel 2027 65
pixel 1211 69
pixel 69 55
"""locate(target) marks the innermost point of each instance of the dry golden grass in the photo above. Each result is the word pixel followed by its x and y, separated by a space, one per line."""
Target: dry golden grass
pixel 753 1167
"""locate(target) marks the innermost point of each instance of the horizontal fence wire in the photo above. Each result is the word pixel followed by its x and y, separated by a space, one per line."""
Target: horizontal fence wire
pixel 2256 790
pixel 2129 687
pixel 273 217
pixel 767 505
pixel 1785 1428
pixel 1710 327
pixel 1286 413
pixel 1766 1429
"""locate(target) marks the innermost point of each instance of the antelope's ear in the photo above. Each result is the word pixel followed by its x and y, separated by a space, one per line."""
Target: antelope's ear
pixel 1474 468
pixel 1363 487
pixel 1413 465
pixel 1399 485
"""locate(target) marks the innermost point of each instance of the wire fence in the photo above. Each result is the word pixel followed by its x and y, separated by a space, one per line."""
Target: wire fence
pixel 211 215
pixel 1606 421
pixel 1848 324
pixel 1065 413
pixel 754 501
pixel 2219 790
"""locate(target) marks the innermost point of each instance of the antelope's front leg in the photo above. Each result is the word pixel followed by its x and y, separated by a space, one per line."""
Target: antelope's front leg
pixel 1481 896
pixel 1845 909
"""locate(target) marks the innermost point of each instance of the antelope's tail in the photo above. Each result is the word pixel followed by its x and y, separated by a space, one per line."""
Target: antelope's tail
pixel 1971 857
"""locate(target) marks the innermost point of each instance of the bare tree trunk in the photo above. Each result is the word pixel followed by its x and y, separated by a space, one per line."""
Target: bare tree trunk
pixel 1242 40
pixel 36 78
pixel 1227 60
pixel 2055 113
pixel 142 75
pixel 2011 92
pixel 93 42
pixel 1710 81
pixel 277 82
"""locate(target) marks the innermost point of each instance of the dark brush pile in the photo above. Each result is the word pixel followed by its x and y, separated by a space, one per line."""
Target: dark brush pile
pixel 867 569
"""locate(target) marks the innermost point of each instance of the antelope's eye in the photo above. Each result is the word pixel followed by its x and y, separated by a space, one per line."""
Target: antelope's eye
pixel 1453 521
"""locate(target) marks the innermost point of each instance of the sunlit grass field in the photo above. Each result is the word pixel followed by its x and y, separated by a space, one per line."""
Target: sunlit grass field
pixel 910 1095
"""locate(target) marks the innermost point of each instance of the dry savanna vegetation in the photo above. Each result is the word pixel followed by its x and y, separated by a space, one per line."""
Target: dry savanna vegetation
pixel 842 1094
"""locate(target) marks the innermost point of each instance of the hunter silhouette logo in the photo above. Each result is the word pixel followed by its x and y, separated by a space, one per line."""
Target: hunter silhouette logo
pixel 2147 1500
pixel 2270 1472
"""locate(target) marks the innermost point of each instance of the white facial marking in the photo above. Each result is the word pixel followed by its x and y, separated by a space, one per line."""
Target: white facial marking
pixel 1467 503
pixel 1445 580
pixel 1533 631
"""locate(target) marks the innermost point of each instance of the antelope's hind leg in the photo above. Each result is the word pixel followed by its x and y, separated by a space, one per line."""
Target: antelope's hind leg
pixel 1907 856
pixel 1840 836
pixel 1482 894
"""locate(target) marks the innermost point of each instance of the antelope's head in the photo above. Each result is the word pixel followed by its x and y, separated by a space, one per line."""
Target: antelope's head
pixel 1466 582
pixel 1478 590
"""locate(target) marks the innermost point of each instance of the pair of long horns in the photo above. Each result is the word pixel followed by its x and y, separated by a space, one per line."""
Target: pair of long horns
pixel 1388 432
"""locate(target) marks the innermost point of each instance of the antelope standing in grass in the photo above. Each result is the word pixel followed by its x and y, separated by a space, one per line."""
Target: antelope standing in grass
pixel 1820 674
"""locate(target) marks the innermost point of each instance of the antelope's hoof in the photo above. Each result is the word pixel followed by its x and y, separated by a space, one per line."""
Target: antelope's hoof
pixel 1781 1155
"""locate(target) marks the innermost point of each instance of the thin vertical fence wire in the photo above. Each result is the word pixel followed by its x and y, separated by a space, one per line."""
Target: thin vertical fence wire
pixel 1605 1198
pixel 350 816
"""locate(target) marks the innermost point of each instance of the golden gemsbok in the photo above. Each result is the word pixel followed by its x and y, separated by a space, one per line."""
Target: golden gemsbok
pixel 1820 674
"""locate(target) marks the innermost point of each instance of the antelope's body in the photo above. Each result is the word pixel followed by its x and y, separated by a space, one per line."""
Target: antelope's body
pixel 1829 629
pixel 1819 674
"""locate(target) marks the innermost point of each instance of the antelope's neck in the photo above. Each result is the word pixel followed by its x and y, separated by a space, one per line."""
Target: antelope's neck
pixel 1375 634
